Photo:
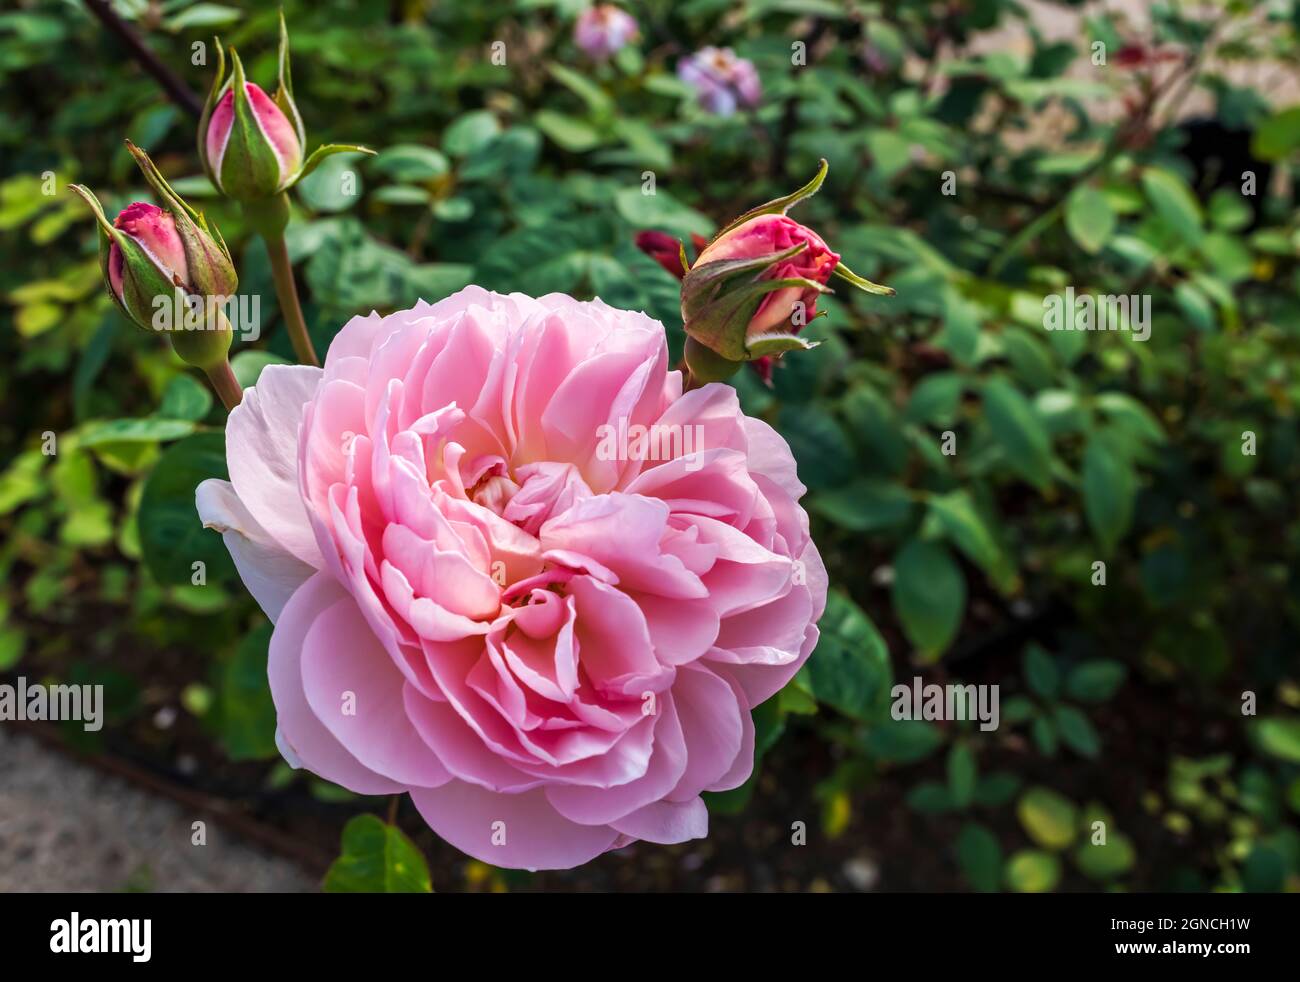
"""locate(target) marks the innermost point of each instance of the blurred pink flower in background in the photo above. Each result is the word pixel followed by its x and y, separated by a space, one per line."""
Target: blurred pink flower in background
pixel 602 31
pixel 553 648
pixel 721 80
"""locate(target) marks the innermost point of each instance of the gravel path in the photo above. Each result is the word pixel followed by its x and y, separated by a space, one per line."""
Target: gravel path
pixel 67 827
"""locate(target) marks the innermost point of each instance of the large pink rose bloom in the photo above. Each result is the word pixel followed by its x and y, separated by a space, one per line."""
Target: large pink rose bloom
pixel 553 647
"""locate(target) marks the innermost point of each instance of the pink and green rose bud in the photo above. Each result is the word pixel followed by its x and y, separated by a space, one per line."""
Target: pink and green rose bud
pixel 252 144
pixel 755 286
pixel 150 252
pixel 603 30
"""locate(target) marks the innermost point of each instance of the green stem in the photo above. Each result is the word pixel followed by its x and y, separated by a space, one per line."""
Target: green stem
pixel 225 384
pixel 286 291
pixel 268 217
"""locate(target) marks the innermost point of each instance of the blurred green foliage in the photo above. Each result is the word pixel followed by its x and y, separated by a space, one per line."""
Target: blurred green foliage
pixel 1103 527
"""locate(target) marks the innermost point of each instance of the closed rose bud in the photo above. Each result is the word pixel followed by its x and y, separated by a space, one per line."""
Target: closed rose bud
pixel 721 80
pixel 252 144
pixel 249 146
pixel 603 30
pixel 755 286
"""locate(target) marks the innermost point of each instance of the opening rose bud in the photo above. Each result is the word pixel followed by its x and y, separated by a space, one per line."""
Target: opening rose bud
pixel 603 30
pixel 755 286
pixel 154 232
pixel 767 234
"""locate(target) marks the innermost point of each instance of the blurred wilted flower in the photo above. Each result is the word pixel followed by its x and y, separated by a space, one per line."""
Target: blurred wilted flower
pixel 603 30
pixel 721 80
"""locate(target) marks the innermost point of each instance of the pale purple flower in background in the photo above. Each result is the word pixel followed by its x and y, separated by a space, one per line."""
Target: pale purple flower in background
pixel 722 81
pixel 603 30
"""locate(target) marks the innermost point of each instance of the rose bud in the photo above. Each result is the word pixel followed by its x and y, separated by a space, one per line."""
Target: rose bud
pixel 755 286
pixel 667 251
pixel 603 30
pixel 251 144
pixel 150 252
pixel 663 249
pixel 721 81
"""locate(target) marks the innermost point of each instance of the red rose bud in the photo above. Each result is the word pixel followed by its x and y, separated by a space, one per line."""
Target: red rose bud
pixel 150 252
pixel 251 144
pixel 755 286
pixel 663 249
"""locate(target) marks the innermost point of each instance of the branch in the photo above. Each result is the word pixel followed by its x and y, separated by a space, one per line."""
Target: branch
pixel 176 89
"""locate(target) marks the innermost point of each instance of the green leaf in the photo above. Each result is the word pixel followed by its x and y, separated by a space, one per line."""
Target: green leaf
pixel 572 133
pixel 935 399
pixel 965 526
pixel 1174 203
pixel 1278 135
pixel 819 445
pixel 377 858
pixel 332 185
pixel 172 537
pixel 1105 861
pixel 930 798
pixel 1032 871
pixel 1089 218
pixel 1048 817
pixel 866 505
pixel 929 596
pixel 961 774
pixel 1041 672
pixel 1019 431
pixel 979 856
pixel 850 669
pixel 1278 736
pixel 147 430
pixel 410 163
pixel 1095 680
pixel 1077 731
pixel 660 211
pixel 470 132
pixel 1109 490
pixel 185 398
pixel 247 712
pixel 903 741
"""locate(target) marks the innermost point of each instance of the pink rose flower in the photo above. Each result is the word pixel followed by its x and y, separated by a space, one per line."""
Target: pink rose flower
pixel 492 590
pixel 603 30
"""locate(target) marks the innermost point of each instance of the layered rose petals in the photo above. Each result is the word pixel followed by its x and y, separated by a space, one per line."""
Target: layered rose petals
pixel 553 651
